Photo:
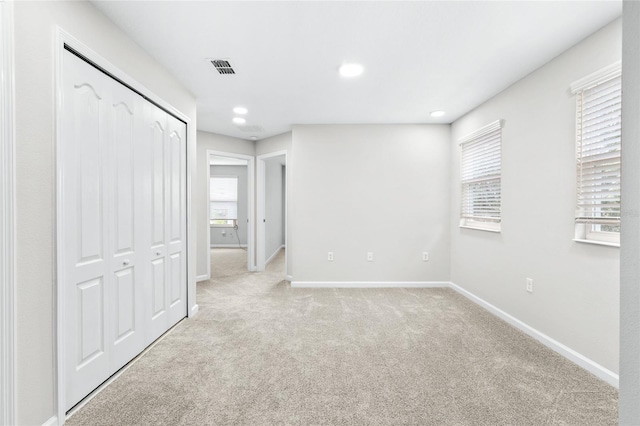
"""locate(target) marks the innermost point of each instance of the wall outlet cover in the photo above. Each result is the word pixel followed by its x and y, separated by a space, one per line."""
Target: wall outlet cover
pixel 530 285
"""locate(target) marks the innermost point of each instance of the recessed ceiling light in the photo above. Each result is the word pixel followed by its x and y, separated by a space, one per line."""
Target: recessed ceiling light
pixel 240 110
pixel 350 70
pixel 253 138
pixel 437 113
pixel 239 120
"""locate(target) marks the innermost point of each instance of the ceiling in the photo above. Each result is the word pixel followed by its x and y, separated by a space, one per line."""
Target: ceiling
pixel 418 56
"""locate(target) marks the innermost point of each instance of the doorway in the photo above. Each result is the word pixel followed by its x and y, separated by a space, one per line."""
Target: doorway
pixel 230 189
pixel 272 212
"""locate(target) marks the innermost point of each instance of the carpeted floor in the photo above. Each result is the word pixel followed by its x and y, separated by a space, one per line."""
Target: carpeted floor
pixel 262 353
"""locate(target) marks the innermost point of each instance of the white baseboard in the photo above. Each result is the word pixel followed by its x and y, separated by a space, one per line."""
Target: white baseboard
pixel 204 277
pixel 227 245
pixel 573 356
pixel 194 310
pixel 275 253
pixel 53 421
pixel 369 284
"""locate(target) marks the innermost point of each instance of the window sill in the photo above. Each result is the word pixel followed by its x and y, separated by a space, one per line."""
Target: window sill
pixel 221 226
pixel 596 242
pixel 495 231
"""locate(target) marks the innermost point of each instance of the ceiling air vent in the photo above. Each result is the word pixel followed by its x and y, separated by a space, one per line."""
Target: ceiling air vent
pixel 223 66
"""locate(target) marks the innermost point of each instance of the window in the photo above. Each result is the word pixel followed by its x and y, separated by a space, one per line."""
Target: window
pixel 481 166
pixel 598 131
pixel 223 201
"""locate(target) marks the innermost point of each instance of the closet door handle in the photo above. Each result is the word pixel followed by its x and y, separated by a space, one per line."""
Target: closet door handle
pixel 158 253
pixel 126 262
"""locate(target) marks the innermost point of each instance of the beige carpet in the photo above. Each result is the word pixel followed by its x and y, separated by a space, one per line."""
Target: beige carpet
pixel 262 353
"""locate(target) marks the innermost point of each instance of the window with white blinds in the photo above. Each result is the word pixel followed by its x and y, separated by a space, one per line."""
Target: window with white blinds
pixel 481 170
pixel 598 142
pixel 223 200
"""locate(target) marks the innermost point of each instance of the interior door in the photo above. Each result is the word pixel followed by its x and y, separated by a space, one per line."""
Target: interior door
pixel 167 302
pixel 84 207
pixel 176 219
pixel 122 182
pixel 126 225
pixel 156 137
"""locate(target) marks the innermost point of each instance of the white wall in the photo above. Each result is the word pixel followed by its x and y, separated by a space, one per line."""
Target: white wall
pixel 576 285
pixel 370 188
pixel 243 208
pixel 630 244
pixel 275 143
pixel 274 212
pixel 35 29
pixel 210 141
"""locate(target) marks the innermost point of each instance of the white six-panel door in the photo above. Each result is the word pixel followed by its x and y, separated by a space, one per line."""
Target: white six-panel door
pixel 123 183
pixel 176 219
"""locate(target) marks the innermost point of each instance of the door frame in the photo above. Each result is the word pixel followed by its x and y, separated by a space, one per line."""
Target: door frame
pixel 250 206
pixel 261 197
pixel 7 220
pixel 64 38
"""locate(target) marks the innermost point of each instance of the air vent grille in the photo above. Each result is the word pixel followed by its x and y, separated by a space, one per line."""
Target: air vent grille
pixel 223 66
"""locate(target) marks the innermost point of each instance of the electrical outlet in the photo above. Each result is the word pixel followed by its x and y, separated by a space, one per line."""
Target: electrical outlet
pixel 369 257
pixel 425 256
pixel 530 285
pixel 330 256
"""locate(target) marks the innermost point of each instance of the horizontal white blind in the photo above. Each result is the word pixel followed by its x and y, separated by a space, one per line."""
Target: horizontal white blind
pixel 598 155
pixel 223 189
pixel 481 177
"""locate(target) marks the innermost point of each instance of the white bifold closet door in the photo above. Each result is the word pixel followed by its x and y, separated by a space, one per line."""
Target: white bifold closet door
pixel 122 183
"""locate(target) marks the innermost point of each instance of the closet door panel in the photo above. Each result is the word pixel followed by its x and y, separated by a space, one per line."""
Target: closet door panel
pixel 176 208
pixel 158 279
pixel 127 296
pixel 125 306
pixel 157 301
pixel 84 260
pixel 122 183
pixel 158 182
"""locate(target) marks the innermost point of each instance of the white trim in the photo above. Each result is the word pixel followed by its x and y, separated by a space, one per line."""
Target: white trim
pixel 250 203
pixel 607 73
pixel 573 356
pixel 227 246
pixel 204 277
pixel 288 278
pixel 260 213
pixel 62 38
pixel 370 284
pixel 597 242
pixel 194 310
pixel 275 253
pixel 261 263
pixel 7 220
pixel 495 125
pixel 51 422
pixel 478 228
